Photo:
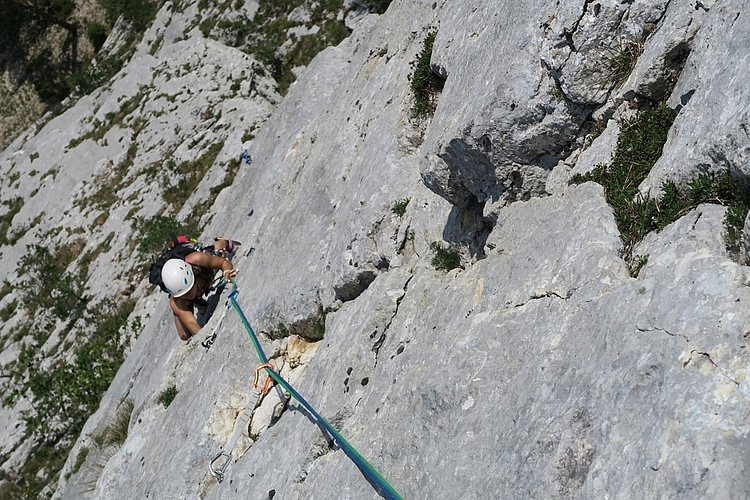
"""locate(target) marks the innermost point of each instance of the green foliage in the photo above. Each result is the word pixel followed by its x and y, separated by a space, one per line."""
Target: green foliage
pixel 445 258
pixel 68 393
pixel 319 327
pixel 189 174
pixel 280 332
pixel 94 75
pixel 426 86
pixel 65 395
pixel 377 6
pixel 48 290
pixel 14 206
pixel 167 396
pixel 399 208
pixel 97 34
pixel 153 234
pixel 80 459
pixel 7 312
pixel 39 470
pixel 268 30
pixel 638 148
pixel 138 13
pixel 637 264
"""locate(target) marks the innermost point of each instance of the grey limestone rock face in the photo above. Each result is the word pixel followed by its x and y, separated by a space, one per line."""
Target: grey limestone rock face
pixel 539 369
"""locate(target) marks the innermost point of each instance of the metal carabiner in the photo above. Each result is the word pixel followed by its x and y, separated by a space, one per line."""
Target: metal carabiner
pixel 219 474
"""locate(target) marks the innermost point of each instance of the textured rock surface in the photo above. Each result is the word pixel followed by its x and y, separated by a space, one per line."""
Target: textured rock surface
pixel 711 134
pixel 541 370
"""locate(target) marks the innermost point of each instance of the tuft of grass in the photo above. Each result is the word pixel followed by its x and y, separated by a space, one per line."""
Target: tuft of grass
pixel 445 258
pixel 167 396
pixel 639 261
pixel 80 459
pixel 399 208
pixel 622 60
pixel 117 431
pixel 426 86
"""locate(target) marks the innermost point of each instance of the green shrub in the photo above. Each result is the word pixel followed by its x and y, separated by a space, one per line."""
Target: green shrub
pixel 138 13
pixel 68 393
pixel 97 34
pixel 167 396
pixel 47 289
pixel 445 258
pixel 14 206
pixel 153 234
pixel 399 208
pixel 426 86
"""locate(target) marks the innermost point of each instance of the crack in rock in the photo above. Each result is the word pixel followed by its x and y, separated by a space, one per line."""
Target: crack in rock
pixel 379 343
pixel 647 329
pixel 546 295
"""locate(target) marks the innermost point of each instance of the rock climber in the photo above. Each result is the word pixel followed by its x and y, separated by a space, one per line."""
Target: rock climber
pixel 189 280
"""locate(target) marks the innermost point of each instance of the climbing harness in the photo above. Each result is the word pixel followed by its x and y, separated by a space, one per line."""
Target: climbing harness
pixel 219 470
pixel 364 466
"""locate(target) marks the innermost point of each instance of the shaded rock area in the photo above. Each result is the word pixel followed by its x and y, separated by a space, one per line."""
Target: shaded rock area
pixel 540 368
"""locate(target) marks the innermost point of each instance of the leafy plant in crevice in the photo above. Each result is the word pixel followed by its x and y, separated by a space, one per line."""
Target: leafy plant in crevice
pixel 638 148
pixel 280 332
pixel 426 86
pixel 319 326
pixel 445 258
pixel 167 396
pixel 638 262
pixel 399 207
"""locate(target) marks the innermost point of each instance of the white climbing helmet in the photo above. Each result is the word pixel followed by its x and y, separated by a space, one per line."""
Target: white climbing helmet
pixel 178 277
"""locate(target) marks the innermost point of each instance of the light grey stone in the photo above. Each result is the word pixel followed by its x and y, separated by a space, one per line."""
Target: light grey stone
pixel 710 134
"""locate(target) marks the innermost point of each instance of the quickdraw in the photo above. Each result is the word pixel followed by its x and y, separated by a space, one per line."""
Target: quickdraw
pixel 219 470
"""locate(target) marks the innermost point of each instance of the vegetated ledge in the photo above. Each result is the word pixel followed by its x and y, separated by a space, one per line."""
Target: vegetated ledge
pixel 638 148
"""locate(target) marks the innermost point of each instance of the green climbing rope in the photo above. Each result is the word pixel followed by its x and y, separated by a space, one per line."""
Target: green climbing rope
pixel 368 470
